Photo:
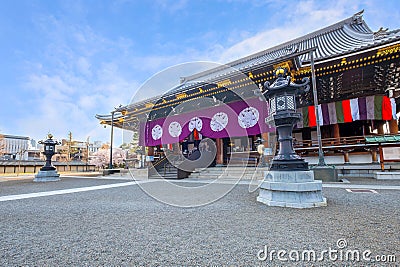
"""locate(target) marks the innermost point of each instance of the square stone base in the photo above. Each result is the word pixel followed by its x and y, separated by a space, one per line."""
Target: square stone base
pixel 47 176
pixel 325 174
pixel 294 189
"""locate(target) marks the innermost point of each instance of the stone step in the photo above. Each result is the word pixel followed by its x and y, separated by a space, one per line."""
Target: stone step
pixel 163 177
pixel 227 174
pixel 227 178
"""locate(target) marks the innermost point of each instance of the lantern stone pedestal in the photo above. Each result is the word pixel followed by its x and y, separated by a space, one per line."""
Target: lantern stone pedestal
pixel 289 183
pixel 48 173
pixel 293 189
pixel 47 176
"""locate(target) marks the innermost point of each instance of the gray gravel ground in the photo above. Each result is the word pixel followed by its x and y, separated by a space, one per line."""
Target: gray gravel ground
pixel 125 227
pixel 25 186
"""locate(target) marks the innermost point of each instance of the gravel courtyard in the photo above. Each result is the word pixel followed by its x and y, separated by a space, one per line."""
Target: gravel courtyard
pixel 125 227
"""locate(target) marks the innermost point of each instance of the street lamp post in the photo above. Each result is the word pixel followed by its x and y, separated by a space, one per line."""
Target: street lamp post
pixel 321 160
pixel 122 112
pixel 110 165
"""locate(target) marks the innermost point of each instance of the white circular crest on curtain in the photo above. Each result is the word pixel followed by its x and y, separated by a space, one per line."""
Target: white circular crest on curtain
pixel 197 123
pixel 248 117
pixel 156 132
pixel 175 129
pixel 219 121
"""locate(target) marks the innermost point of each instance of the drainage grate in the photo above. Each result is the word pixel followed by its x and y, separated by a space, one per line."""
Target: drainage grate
pixel 361 191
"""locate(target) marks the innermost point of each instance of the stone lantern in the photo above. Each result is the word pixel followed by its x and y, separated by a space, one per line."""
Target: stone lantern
pixel 48 172
pixel 282 114
pixel 289 183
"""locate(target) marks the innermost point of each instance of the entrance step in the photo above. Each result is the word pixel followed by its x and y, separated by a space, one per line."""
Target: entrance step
pixel 229 173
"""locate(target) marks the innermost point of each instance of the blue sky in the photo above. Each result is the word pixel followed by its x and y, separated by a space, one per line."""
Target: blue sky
pixel 64 61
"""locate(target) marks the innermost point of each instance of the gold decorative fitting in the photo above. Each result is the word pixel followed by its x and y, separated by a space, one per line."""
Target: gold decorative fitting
pixel 251 75
pixel 284 65
pixel 388 50
pixel 224 83
pixel 181 95
pixel 124 112
pixel 343 61
pixel 121 119
pixel 149 105
pixel 201 90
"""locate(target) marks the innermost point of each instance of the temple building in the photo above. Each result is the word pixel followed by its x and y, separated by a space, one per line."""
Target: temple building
pixel 357 79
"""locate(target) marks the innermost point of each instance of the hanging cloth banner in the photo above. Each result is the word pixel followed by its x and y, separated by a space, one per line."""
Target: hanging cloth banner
pixel 370 104
pixel 355 110
pixel 386 109
pixel 362 108
pixel 378 107
pixel 325 114
pixel 393 104
pixel 311 113
pixel 347 117
pixel 320 115
pixel 241 118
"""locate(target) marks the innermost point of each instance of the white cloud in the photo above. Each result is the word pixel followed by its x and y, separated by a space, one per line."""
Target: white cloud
pixel 301 18
pixel 74 81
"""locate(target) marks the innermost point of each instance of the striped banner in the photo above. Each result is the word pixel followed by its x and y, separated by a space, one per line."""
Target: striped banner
pixel 362 108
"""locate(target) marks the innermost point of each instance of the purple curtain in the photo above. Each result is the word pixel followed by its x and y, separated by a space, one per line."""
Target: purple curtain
pixel 251 108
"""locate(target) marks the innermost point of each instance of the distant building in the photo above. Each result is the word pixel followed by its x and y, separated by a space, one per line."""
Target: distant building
pixel 34 150
pixel 14 147
pixel 94 147
pixel 76 150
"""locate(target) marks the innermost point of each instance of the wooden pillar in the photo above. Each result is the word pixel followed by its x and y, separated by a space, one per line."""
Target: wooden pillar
pixel 336 130
pixel 346 157
pixel 150 151
pixel 393 127
pixel 380 128
pixel 336 133
pixel 381 159
pixel 374 155
pixel 265 136
pixel 306 135
pixel 220 151
pixel 175 149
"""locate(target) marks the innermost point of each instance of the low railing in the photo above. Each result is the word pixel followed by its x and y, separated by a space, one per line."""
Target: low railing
pixel 350 142
pixel 328 142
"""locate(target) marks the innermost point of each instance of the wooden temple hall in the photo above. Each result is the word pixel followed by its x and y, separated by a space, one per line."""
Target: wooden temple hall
pixel 357 79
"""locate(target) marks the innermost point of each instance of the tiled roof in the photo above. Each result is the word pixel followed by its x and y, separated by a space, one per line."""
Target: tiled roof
pixel 347 36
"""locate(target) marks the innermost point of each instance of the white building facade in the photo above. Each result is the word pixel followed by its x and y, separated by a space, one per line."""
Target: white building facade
pixel 14 147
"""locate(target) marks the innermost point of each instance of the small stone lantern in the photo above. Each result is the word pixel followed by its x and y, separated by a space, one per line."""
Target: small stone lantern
pixel 48 172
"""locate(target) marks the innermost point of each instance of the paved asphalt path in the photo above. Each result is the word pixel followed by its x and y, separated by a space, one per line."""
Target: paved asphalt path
pixel 123 226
